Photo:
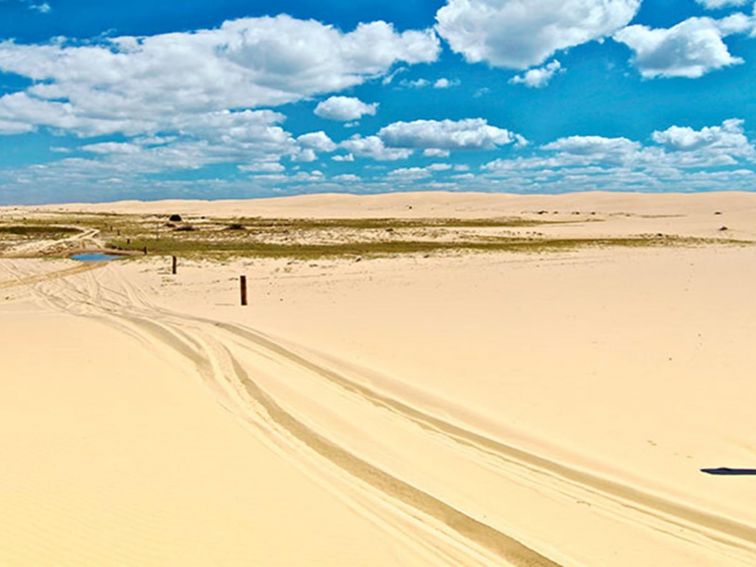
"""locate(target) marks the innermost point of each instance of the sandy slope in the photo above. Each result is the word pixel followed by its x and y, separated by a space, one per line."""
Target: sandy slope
pixel 479 409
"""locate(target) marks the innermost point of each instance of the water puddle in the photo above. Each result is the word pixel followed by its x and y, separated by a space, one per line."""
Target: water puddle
pixel 95 257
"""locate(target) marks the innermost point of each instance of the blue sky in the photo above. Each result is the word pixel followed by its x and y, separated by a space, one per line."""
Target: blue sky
pixel 231 98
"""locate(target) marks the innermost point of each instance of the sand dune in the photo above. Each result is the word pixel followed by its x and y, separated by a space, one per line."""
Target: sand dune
pixel 524 409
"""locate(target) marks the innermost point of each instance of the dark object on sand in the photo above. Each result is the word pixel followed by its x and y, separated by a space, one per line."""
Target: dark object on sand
pixel 243 289
pixel 175 218
pixel 727 471
pixel 235 226
pixel 185 228
pixel 723 228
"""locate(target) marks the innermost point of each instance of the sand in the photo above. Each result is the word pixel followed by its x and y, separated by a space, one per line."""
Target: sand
pixel 498 408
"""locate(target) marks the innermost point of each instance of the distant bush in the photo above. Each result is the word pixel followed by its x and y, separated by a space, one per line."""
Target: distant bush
pixel 235 226
pixel 175 218
pixel 185 228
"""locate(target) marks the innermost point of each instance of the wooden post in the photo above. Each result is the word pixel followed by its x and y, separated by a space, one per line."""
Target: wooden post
pixel 243 281
pixel 145 250
pixel 173 266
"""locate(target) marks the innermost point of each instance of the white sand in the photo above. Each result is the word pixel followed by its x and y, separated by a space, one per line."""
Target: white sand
pixel 474 409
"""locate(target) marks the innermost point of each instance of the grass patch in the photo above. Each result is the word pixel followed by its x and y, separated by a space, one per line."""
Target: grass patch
pixel 38 231
pixel 384 223
pixel 168 246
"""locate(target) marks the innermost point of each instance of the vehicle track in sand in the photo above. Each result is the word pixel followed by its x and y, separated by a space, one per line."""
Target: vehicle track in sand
pixel 36 248
pixel 22 280
pixel 208 344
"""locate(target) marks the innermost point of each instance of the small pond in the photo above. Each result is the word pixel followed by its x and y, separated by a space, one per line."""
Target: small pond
pixel 95 257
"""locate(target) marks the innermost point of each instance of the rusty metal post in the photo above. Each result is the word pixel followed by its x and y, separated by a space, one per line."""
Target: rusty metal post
pixel 243 282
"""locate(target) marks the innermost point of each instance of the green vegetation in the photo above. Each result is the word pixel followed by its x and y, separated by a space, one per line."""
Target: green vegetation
pixel 220 248
pixel 38 231
pixel 385 223
pixel 220 238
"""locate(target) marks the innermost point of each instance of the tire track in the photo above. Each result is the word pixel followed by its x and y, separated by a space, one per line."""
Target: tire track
pixel 133 305
pixel 173 332
pixel 709 525
pixel 49 276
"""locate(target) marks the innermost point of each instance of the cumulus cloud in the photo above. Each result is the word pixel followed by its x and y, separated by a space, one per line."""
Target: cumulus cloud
pixel 344 157
pixel 469 134
pixel 373 147
pixel 596 147
pixel 677 160
pixel 444 83
pixel 678 147
pixel 689 49
pixel 439 167
pixel 517 35
pixel 13 127
pixel 539 77
pixel 346 178
pixel 345 108
pixel 138 84
pixel 318 141
pixel 722 145
pixel 224 137
pixel 410 173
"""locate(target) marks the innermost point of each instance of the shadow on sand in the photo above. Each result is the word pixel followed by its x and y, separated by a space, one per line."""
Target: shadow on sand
pixel 726 471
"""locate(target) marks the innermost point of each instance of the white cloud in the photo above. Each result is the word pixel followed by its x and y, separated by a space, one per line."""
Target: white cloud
pixel 318 141
pixel 223 137
pixel 388 79
pixel 42 8
pixel 139 84
pixel 373 147
pixel 435 152
pixel 441 83
pixel 345 108
pixel 580 163
pixel 410 173
pixel 12 127
pixel 473 133
pixel 415 84
pixel 676 159
pixel 414 173
pixel 305 155
pixel 689 49
pixel 717 4
pixel 439 167
pixel 444 83
pixel 263 167
pixel 346 178
pixel 539 77
pixel 678 148
pixel 345 157
pixel 596 148
pixel 107 148
pixel 722 144
pixel 308 176
pixel 517 34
